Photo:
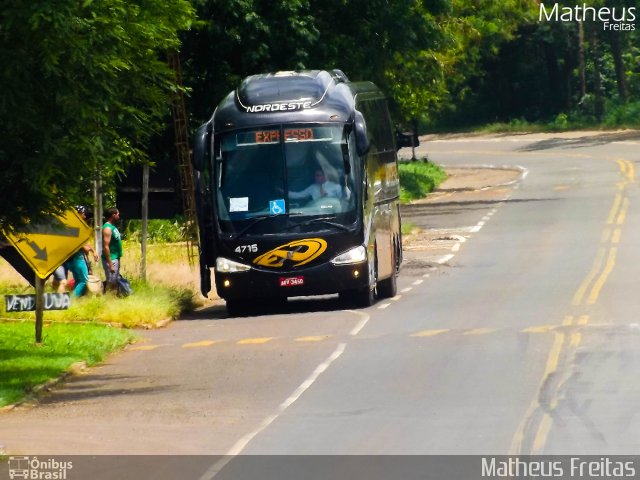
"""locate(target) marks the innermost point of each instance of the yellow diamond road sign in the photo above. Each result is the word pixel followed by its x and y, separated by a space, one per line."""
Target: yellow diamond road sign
pixel 47 246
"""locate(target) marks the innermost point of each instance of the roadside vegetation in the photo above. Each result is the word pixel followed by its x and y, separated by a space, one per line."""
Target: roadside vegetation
pixel 93 326
pixel 418 179
pixel 24 365
pixel 625 116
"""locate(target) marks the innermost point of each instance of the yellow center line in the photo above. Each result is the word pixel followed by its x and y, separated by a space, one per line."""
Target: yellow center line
pixel 631 171
pixel 595 291
pixel 479 331
pixel 540 329
pixel 579 295
pixel 552 364
pixel 255 341
pixel 143 348
pixel 616 236
pixel 203 343
pixel 614 208
pixel 430 333
pixel 623 212
pixel 316 338
pixel 606 235
pixel 541 435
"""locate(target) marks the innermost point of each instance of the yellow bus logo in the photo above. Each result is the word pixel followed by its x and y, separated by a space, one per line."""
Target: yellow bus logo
pixel 294 253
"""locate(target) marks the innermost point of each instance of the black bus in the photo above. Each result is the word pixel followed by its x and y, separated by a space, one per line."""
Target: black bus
pixel 298 192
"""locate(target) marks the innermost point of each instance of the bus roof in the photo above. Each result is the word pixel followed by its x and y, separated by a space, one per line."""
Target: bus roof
pixel 304 96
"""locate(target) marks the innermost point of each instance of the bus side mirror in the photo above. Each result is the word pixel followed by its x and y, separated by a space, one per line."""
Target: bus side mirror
pixel 362 141
pixel 202 147
pixel 406 139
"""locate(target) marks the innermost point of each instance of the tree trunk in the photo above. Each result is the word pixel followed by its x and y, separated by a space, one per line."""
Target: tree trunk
pixel 597 75
pixel 581 68
pixel 616 51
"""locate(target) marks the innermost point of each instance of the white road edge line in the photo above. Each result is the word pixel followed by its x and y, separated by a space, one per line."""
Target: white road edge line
pixel 241 444
pixel 361 323
pixel 445 259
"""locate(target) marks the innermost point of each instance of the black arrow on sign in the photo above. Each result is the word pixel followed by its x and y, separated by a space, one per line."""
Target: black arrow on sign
pixel 41 253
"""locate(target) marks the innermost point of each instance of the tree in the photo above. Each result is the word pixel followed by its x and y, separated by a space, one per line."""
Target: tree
pixel 237 38
pixel 83 86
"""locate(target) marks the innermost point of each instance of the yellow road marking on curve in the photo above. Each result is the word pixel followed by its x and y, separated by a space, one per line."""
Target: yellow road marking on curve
pixel 144 347
pixel 540 329
pixel 430 333
pixel 203 343
pixel 542 433
pixel 631 172
pixel 623 211
pixel 479 331
pixel 614 208
pixel 255 341
pixel 616 236
pixel 553 360
pixel 316 338
pixel 597 286
pixel 579 295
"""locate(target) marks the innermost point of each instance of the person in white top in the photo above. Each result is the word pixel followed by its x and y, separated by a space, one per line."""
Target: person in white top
pixel 321 187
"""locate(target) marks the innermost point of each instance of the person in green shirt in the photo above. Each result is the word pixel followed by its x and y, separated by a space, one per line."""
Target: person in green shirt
pixel 111 248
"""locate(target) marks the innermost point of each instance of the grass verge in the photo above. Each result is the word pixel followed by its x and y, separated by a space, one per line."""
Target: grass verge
pixel 25 365
pixel 149 305
pixel 419 178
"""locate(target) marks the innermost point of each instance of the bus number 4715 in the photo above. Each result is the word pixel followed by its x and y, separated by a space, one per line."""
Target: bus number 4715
pixel 246 248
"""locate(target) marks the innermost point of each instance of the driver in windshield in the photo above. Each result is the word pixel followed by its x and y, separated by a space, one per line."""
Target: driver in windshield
pixel 321 187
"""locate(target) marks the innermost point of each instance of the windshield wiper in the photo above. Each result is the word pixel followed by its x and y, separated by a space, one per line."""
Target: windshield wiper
pixel 325 220
pixel 258 219
pixel 254 222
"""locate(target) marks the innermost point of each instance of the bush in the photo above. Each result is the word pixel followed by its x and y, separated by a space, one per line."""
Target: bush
pixel 624 115
pixel 417 179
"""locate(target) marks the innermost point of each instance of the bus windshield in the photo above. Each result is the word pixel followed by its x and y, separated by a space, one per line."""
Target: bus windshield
pixel 290 178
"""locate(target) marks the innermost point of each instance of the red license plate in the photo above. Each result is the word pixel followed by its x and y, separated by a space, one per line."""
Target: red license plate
pixel 291 281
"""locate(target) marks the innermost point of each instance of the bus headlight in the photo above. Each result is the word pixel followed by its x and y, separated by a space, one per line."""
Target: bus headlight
pixel 355 255
pixel 224 265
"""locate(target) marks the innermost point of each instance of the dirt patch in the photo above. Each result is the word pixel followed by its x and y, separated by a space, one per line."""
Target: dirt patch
pixel 470 179
pixel 444 220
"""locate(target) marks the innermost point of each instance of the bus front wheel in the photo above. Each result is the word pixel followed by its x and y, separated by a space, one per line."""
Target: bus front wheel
pixel 364 297
pixel 388 287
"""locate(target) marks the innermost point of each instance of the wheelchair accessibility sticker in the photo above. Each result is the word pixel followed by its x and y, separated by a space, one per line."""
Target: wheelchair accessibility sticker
pixel 276 207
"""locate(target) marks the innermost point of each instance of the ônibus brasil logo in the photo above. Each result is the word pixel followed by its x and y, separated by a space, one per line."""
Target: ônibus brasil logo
pixel 32 468
pixel 612 18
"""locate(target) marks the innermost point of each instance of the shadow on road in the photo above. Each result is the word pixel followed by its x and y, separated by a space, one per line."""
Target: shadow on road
pixel 437 208
pixel 295 305
pixel 582 142
pixel 101 386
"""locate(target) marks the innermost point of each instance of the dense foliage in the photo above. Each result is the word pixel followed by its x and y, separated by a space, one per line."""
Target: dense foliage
pixel 85 84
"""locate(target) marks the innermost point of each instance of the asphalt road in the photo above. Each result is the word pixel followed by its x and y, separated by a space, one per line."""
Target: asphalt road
pixel 515 331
